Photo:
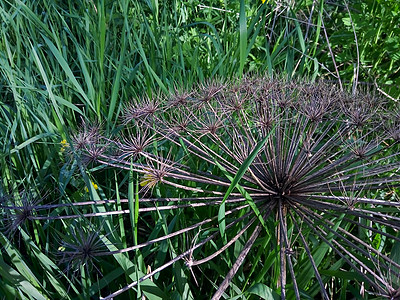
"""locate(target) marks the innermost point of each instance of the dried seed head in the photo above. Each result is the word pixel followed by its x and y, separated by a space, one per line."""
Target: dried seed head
pixel 178 121
pixel 361 148
pixel 17 210
pixel 392 125
pixel 140 109
pixel 266 115
pixel 92 153
pixel 132 145
pixel 180 98
pixel 208 91
pixel 360 109
pixel 79 248
pixel 233 103
pixel 315 101
pixel 154 171
pixel 394 131
pixel 89 135
pixel 209 123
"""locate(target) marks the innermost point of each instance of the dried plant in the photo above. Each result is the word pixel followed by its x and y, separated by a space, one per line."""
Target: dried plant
pixel 79 249
pixel 17 210
pixel 300 179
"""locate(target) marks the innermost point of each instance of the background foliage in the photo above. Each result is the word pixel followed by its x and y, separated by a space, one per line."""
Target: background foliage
pixel 64 64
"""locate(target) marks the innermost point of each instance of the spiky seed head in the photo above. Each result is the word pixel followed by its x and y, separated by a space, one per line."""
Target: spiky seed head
pixel 140 110
pixel 80 248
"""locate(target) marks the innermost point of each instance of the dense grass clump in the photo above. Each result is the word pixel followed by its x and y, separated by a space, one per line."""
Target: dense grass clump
pixel 286 189
pixel 289 186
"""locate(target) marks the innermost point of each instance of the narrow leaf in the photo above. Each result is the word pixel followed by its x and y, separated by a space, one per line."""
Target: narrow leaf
pixel 242 170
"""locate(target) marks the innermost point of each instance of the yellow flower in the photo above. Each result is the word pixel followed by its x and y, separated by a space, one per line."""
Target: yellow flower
pixel 64 145
pixel 94 185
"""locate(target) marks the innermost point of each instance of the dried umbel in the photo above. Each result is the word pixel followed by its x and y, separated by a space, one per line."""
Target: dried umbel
pixel 79 248
pixel 290 185
pixel 17 210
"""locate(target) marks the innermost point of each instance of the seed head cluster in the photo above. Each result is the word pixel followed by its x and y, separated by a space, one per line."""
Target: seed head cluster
pixel 297 180
pixel 325 161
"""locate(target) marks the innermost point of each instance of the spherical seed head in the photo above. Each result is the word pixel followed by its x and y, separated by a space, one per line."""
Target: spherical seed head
pixel 17 210
pixel 79 248
pixel 361 109
pixel 140 110
pixel 315 100
pixel 392 124
pixel 132 145
pixel 177 120
pixel 179 98
pixel 92 153
pixel 208 91
pixel 88 135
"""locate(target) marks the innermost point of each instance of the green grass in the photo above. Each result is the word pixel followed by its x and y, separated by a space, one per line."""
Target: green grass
pixel 64 65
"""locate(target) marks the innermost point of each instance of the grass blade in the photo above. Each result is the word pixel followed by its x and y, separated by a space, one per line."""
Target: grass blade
pixel 242 170
pixel 63 63
pixel 242 36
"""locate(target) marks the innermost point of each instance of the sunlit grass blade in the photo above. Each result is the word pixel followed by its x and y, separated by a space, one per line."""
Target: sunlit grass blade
pixel 242 37
pixel 234 183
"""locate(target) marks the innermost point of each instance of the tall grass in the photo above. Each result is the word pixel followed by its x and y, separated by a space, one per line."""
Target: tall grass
pixel 66 66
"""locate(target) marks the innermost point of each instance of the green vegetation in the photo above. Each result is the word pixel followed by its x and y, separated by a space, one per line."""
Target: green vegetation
pixel 372 27
pixel 74 77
